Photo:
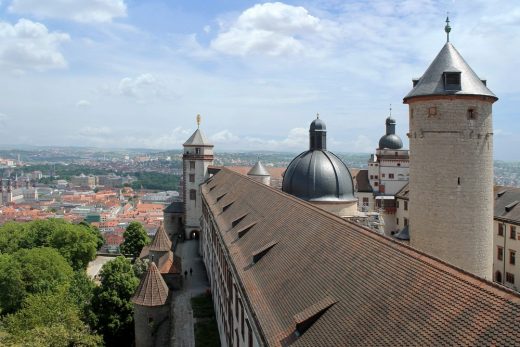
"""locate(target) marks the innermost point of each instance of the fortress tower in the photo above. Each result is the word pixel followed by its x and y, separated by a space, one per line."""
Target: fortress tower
pixel 198 155
pixel 451 163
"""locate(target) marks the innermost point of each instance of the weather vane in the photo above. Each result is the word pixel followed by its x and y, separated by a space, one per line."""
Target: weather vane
pixel 317 115
pixel 447 28
pixel 390 110
pixel 198 121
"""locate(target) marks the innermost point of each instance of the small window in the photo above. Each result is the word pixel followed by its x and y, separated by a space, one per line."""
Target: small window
pixel 371 177
pixel 500 253
pixel 510 278
pixel 432 111
pixel 406 205
pixel 397 203
pixel 192 178
pixel 405 221
pixel 382 175
pixel 375 184
pixel 397 221
pixel 500 229
pixel 398 164
pixel 376 177
pixel 512 232
pixel 197 150
pixel 192 165
pixel 512 257
pixel 193 194
pixel 391 175
pixel 472 114
pixel 452 81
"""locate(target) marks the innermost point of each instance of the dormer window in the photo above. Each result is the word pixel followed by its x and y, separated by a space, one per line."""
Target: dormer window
pixel 452 80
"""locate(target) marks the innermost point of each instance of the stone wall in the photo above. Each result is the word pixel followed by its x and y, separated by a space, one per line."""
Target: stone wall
pixel 451 180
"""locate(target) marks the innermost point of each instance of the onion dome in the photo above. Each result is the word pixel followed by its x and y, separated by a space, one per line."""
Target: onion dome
pixel 317 174
pixel 390 140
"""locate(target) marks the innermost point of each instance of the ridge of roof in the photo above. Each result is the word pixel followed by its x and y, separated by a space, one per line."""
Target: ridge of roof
pixel 161 241
pixel 449 60
pixel 152 290
pixel 197 139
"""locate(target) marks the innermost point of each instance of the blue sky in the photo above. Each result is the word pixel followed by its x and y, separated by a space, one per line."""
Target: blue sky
pixel 129 73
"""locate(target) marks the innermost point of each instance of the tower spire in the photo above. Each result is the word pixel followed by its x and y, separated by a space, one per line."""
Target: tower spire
pixel 198 121
pixel 390 115
pixel 447 28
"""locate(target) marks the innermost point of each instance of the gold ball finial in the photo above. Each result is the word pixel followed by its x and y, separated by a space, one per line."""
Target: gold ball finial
pixel 198 120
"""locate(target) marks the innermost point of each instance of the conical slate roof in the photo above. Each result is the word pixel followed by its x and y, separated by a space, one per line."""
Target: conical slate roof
pixel 161 241
pixel 197 139
pixel 152 290
pixel 258 170
pixel 449 60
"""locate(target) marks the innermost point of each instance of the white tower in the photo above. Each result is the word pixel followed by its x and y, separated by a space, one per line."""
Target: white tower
pixel 451 163
pixel 198 155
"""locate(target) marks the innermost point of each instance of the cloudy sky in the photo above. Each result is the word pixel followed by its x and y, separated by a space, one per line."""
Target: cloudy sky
pixel 131 73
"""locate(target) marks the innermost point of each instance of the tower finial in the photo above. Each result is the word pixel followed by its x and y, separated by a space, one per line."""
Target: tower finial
pixel 317 115
pixel 447 28
pixel 390 110
pixel 198 121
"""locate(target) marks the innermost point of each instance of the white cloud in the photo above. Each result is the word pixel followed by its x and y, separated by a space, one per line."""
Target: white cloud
pixel 274 29
pixel 77 10
pixel 83 104
pixel 224 136
pixel 142 88
pixel 30 45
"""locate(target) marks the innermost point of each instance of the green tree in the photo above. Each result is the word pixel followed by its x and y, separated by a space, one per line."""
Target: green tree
pixel 77 243
pixel 80 292
pixel 30 271
pixel 111 303
pixel 95 231
pixel 135 239
pixel 48 319
pixel 11 284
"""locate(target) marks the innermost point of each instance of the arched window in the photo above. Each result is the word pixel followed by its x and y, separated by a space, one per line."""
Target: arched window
pixel 498 277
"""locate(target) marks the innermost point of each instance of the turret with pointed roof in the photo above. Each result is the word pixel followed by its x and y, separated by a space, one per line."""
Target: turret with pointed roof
pixel 151 309
pixel 451 170
pixel 198 155
pixel 260 173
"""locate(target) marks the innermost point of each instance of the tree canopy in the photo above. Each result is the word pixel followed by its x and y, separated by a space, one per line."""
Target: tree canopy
pixel 76 242
pixel 48 319
pixel 111 303
pixel 135 239
pixel 30 271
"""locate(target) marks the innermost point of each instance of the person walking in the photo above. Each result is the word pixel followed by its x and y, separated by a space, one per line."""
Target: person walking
pixel 191 271
pixel 185 273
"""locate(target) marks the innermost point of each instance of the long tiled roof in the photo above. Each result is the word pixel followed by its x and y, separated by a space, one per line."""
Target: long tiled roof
pixel 152 290
pixel 161 241
pixel 380 292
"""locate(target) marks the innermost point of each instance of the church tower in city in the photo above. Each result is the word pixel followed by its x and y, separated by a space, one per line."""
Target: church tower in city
pixel 451 163
pixel 198 155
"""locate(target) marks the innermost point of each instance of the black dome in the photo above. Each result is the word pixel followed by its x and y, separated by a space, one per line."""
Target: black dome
pixel 390 141
pixel 318 124
pixel 317 174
